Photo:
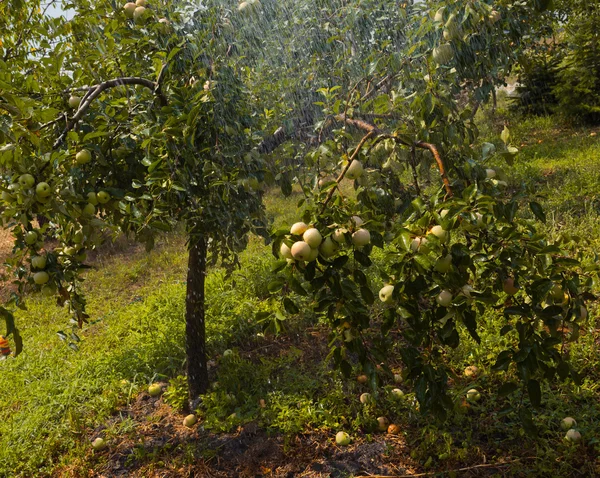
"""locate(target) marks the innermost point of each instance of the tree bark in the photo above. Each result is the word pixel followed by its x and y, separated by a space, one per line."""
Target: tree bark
pixel 195 331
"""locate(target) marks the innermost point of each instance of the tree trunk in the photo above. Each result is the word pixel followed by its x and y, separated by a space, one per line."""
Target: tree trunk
pixel 195 332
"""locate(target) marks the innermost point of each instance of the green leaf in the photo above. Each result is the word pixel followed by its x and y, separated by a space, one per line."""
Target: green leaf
pixel 505 135
pixel 507 388
pixel 527 422
pixel 290 306
pixel 537 209
pixel 275 285
pixel 535 392
pixel 297 287
pixel 367 295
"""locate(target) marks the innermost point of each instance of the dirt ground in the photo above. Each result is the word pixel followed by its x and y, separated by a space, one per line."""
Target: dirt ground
pixel 159 438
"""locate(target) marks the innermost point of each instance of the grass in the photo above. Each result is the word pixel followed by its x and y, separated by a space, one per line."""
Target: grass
pixel 54 400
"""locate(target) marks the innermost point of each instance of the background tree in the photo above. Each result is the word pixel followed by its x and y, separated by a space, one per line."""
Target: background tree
pixel 115 124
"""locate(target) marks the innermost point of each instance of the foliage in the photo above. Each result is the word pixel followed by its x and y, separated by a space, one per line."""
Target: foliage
pixel 177 393
pixel 181 148
pixel 559 72
pixel 537 79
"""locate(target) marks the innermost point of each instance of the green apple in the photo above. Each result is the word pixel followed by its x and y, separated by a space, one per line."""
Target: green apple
pixel 362 379
pixel 444 298
pixel 419 243
pixel 31 238
pixel 473 395
pixel 366 398
pixel 568 423
pixel 129 8
pixel 92 198
pixel 26 181
pixel 342 438
pixel 298 229
pixel 443 264
pixel 48 290
pixel 382 423
pixel 339 235
pixel 103 197
pixel 40 278
pixel 557 293
pixel 355 170
pixel 141 3
pixel 443 54
pixel 509 286
pixel 38 262
pixel 43 190
pixel 89 210
pixel 190 420
pixel 314 253
pixel 397 393
pixel 74 101
pixel 312 237
pixel 398 378
pixel 385 294
pixel 83 157
pixel 301 251
pixel 490 173
pixel 99 444
pixel 139 15
pixel 357 221
pixel 439 232
pixel 155 389
pixel 573 436
pixel 228 353
pixel 361 238
pixel 243 6
pixel 285 251
pixel 328 247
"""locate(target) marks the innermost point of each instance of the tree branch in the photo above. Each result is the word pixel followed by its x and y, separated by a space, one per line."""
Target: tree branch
pixel 440 164
pixel 365 138
pixel 96 90
pixel 363 125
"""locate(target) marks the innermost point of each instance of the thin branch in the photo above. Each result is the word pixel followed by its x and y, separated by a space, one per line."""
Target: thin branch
pixel 419 144
pixel 440 164
pixel 95 91
pixel 50 123
pixel 365 138
pixel 413 166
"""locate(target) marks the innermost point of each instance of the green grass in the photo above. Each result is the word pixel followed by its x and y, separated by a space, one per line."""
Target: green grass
pixel 54 399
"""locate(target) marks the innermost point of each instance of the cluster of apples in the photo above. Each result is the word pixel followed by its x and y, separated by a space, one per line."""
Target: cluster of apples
pixel 312 244
pixel 26 183
pixel 138 13
pixel 451 31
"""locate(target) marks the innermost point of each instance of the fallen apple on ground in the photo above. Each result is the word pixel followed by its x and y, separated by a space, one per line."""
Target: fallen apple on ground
pixel 342 439
pixel 190 420
pixel 155 390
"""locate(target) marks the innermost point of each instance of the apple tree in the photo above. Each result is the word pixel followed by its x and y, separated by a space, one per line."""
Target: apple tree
pixel 124 118
pixel 448 247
